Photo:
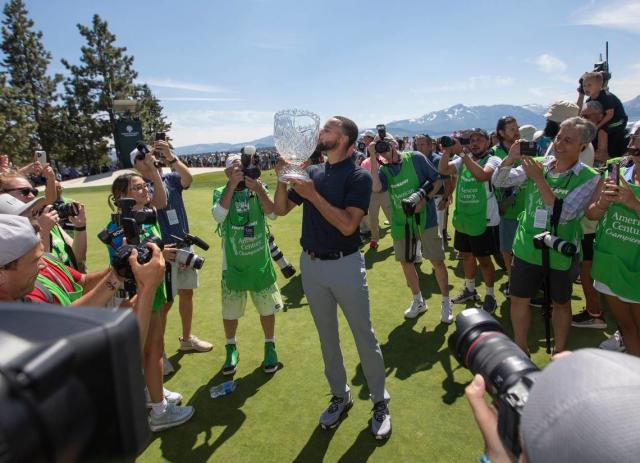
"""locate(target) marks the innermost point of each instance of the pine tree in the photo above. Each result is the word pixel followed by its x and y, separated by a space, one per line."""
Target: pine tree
pixel 149 111
pixel 29 91
pixel 105 73
pixel 16 130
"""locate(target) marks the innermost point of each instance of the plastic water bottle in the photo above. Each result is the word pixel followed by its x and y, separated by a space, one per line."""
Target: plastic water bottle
pixel 225 388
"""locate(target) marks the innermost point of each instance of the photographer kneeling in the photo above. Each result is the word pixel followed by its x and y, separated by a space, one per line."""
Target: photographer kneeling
pixel 557 194
pixel 412 182
pixel 239 208
pixel 137 222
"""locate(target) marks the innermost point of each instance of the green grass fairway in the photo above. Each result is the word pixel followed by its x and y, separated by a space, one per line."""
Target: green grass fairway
pixel 275 418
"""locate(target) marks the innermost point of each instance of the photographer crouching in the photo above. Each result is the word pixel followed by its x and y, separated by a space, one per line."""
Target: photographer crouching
pixel 240 208
pixel 412 182
pixel 557 194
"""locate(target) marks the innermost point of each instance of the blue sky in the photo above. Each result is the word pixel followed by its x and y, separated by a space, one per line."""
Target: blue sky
pixel 221 69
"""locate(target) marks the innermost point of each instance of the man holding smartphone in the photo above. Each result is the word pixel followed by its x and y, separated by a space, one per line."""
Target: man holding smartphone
pixel 172 217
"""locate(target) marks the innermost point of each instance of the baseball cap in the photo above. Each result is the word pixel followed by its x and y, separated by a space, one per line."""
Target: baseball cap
pixel 231 158
pixel 583 408
pixel 482 132
pixel 12 206
pixel 527 131
pixel 368 133
pixel 17 237
pixel 561 110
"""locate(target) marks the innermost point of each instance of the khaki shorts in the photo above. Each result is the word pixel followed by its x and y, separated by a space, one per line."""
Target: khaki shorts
pixel 180 278
pixel 432 246
pixel 268 301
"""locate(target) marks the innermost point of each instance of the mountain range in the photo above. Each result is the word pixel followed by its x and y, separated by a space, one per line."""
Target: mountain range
pixel 435 123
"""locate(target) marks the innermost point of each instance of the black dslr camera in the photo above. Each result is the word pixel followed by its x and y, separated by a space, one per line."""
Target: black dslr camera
pixel 546 239
pixel 410 202
pixel 129 222
pixel 250 161
pixel 143 151
pixel 185 256
pixel 480 344
pixel 382 145
pixel 65 210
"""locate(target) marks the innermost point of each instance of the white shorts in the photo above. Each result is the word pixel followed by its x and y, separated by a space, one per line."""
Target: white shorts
pixel 604 289
pixel 186 278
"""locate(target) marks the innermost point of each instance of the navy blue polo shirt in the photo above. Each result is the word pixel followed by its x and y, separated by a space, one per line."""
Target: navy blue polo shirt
pixel 343 185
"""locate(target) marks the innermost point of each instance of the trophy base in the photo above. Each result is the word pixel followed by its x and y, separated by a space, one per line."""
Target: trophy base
pixel 291 172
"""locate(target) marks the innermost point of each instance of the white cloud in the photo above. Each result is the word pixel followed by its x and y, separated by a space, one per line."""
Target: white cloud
pixel 626 85
pixel 181 85
pixel 620 14
pixel 470 84
pixel 550 64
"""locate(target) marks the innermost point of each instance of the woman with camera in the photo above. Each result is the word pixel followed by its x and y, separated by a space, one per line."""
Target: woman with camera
pixel 616 256
pixel 165 412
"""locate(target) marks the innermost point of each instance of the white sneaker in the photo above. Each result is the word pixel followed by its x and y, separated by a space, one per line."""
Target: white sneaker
pixel 415 309
pixel 171 397
pixel 167 368
pixel 172 416
pixel 446 313
pixel 614 343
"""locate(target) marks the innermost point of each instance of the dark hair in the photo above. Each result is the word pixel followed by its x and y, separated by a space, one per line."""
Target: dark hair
pixel 119 187
pixel 502 124
pixel 349 128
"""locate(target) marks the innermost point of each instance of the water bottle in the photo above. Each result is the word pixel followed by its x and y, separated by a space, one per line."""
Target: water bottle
pixel 223 389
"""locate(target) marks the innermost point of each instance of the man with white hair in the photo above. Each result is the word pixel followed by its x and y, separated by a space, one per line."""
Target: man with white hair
pixel 240 208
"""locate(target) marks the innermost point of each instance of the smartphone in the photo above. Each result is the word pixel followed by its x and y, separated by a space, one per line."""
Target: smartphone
pixel 614 173
pixel 528 148
pixel 161 136
pixel 464 141
pixel 41 156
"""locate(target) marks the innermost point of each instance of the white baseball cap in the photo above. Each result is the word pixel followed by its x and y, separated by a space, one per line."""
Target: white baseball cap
pixel 13 206
pixel 17 237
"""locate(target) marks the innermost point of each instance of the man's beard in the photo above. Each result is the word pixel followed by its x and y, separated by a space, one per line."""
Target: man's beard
pixel 327 145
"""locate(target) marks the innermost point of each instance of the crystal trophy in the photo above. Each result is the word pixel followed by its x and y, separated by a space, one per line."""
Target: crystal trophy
pixel 295 134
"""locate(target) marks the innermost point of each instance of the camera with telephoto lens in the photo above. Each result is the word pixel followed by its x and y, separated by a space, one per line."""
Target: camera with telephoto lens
pixel 286 268
pixel 480 344
pixel 250 162
pixel 546 239
pixel 65 210
pixel 186 257
pixel 528 148
pixel 410 202
pixel 382 145
pixel 120 260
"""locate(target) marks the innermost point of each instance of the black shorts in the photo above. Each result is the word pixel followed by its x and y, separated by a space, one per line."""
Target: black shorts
pixel 526 279
pixel 616 145
pixel 483 245
pixel 587 246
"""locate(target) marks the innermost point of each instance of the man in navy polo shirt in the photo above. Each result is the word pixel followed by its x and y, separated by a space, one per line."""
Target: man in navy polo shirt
pixel 333 268
pixel 173 221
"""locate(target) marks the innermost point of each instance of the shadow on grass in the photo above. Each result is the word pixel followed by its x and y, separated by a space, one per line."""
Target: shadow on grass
pixel 407 352
pixel 292 293
pixel 362 448
pixel 316 447
pixel 179 444
pixel 372 256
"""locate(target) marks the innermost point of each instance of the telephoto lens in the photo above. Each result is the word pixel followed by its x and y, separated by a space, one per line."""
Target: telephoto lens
pixel 65 210
pixel 189 259
pixel 480 344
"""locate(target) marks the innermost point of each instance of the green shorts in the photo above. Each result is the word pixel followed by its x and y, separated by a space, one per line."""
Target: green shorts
pixel 268 301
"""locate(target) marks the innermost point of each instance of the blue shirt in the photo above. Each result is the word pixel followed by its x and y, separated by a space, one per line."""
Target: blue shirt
pixel 173 219
pixel 343 185
pixel 425 171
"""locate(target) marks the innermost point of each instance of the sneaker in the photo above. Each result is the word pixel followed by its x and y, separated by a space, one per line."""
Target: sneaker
pixel 270 363
pixel 171 397
pixel 231 362
pixel 465 295
pixel 167 368
pixel 446 313
pixel 381 421
pixel 194 344
pixel 614 343
pixel 415 309
pixel 335 412
pixel 585 320
pixel 489 304
pixel 373 245
pixel 174 415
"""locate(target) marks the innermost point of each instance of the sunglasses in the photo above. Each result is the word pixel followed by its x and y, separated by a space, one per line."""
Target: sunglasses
pixel 24 191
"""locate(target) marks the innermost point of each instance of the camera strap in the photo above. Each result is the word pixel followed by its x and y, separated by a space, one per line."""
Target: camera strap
pixel 546 265
pixel 555 215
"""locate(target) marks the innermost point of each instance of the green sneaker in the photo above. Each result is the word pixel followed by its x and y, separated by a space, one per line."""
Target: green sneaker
pixel 270 364
pixel 231 363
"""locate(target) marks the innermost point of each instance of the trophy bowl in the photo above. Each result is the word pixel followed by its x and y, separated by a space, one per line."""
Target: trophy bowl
pixel 295 134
